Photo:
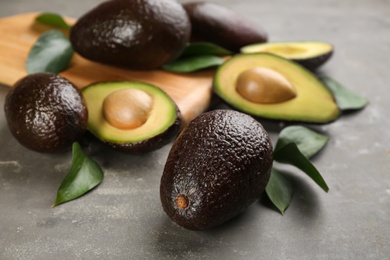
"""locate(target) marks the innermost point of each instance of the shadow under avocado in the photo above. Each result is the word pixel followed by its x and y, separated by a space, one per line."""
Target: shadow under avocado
pixel 175 241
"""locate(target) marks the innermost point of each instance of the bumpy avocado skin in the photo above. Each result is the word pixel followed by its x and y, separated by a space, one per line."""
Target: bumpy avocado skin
pixel 217 24
pixel 45 112
pixel 153 143
pixel 137 34
pixel 221 163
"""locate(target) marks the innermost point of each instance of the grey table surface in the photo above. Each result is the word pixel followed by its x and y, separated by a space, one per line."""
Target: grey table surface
pixel 123 217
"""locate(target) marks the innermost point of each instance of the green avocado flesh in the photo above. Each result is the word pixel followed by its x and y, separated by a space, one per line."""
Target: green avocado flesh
pixel 313 102
pixel 291 50
pixel 161 117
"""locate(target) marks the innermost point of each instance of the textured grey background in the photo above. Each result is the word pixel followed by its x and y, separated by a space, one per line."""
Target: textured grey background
pixel 123 218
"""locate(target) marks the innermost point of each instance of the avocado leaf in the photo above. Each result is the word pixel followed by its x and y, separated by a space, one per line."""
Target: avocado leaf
pixel 204 48
pixel 52 19
pixel 291 154
pixel 279 190
pixel 84 175
pixel 191 64
pixel 346 99
pixel 52 52
pixel 308 141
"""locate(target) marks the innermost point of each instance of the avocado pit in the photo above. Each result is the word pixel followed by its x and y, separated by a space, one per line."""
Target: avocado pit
pixel 127 108
pixel 131 117
pixel 264 86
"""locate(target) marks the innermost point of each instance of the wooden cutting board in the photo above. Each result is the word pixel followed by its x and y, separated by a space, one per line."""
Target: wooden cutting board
pixel 191 92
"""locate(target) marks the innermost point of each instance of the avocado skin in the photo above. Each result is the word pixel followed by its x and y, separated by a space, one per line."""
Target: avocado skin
pixel 217 24
pixel 45 112
pixel 221 162
pixel 137 34
pixel 314 63
pixel 153 143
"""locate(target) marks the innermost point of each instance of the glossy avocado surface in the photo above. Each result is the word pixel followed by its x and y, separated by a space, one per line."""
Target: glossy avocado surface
pixel 161 121
pixel 137 34
pixel 45 112
pixel 309 54
pixel 218 166
pixel 218 24
pixel 313 102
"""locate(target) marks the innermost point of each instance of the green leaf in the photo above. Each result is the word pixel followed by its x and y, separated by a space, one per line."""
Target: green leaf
pixel 52 19
pixel 84 175
pixel 308 141
pixel 204 48
pixel 52 52
pixel 191 64
pixel 279 190
pixel 289 153
pixel 346 99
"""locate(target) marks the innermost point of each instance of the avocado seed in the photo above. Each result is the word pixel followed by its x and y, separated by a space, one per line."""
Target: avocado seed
pixel 127 108
pixel 264 86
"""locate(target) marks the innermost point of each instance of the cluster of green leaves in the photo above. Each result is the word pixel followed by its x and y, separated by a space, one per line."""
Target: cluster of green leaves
pixel 295 146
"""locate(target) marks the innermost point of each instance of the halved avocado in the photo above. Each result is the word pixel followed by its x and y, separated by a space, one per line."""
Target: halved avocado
pixel 311 54
pixel 313 102
pixel 161 121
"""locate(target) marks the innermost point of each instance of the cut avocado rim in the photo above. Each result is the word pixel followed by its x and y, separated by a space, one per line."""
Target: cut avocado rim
pixel 161 117
pixel 300 50
pixel 310 105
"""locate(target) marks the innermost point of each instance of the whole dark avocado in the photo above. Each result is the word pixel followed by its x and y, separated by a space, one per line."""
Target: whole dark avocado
pixel 219 165
pixel 45 112
pixel 137 34
pixel 214 23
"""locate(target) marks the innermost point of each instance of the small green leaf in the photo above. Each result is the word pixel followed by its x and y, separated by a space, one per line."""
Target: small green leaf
pixel 279 190
pixel 346 99
pixel 84 175
pixel 52 19
pixel 191 64
pixel 308 141
pixel 204 48
pixel 290 154
pixel 52 52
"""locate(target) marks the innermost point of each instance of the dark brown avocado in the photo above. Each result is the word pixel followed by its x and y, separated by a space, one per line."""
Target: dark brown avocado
pixel 131 117
pixel 214 23
pixel 137 34
pixel 45 112
pixel 218 166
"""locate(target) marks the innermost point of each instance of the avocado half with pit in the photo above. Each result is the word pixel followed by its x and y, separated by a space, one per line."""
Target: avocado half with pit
pixel 310 54
pixel 268 86
pixel 131 117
